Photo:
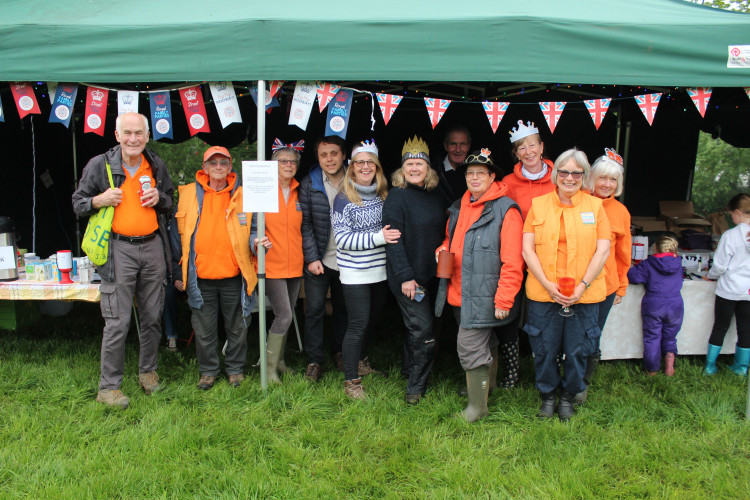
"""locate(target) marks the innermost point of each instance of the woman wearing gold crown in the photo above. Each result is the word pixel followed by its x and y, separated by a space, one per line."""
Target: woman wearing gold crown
pixel 357 221
pixel 415 207
pixel 484 235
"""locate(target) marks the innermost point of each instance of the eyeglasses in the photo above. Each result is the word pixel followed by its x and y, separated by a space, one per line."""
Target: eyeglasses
pixel 477 174
pixel 362 163
pixel 564 173
pixel 288 162
pixel 219 163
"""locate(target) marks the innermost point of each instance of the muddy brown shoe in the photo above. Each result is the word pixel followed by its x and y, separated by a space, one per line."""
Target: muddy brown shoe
pixel 113 397
pixel 150 382
pixel 364 368
pixel 354 389
pixel 206 382
pixel 172 345
pixel 313 372
pixel 236 379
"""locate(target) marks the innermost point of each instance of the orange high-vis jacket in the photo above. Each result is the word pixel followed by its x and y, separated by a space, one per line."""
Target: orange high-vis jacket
pixel 585 223
pixel 237 224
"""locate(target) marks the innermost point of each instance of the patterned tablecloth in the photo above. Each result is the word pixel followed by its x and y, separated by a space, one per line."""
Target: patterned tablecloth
pixel 623 335
pixel 47 290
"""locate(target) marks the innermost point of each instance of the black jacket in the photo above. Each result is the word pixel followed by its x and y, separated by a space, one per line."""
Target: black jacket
pixel 316 215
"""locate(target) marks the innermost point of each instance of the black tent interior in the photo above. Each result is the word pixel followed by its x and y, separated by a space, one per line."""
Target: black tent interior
pixel 660 157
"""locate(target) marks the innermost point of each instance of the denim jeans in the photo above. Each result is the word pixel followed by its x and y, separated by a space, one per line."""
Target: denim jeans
pixel 316 289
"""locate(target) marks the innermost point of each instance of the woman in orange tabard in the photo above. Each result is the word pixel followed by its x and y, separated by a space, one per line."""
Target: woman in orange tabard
pixel 284 259
pixel 605 182
pixel 566 235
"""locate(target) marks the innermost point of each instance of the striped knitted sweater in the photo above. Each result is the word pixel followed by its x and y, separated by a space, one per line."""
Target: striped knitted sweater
pixel 358 230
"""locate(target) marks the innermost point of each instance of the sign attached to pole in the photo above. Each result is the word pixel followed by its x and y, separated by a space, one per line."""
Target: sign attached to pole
pixel 260 186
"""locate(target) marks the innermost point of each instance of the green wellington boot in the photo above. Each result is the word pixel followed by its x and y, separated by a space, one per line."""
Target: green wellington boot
pixel 477 384
pixel 273 353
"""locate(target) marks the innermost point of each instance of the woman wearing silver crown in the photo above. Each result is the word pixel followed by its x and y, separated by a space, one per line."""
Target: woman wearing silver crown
pixel 356 218
pixel 415 207
pixel 530 178
pixel 484 235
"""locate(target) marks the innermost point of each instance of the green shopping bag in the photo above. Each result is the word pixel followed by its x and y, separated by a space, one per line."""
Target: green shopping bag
pixel 96 238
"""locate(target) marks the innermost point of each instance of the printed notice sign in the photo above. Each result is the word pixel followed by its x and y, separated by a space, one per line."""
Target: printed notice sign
pixel 260 186
pixel 739 56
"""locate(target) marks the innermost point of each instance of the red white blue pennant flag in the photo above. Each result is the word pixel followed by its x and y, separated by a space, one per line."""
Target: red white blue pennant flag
pixel 388 104
pixel 2 115
pixel 495 112
pixel 195 110
pixel 96 110
pixel 339 112
pixel 274 87
pixel 700 97
pixel 302 101
pixel 25 99
pixel 747 91
pixel 127 102
pixel 598 110
pixel 436 108
pixel 226 103
pixel 552 112
pixel 161 114
pixel 271 101
pixel 648 104
pixel 325 92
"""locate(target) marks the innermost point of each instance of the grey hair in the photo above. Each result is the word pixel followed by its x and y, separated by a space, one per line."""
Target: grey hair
pixel 605 166
pixel 297 154
pixel 576 155
pixel 118 121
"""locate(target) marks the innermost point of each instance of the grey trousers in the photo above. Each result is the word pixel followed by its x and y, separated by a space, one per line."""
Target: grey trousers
pixel 139 271
pixel 282 294
pixel 223 296
pixel 473 344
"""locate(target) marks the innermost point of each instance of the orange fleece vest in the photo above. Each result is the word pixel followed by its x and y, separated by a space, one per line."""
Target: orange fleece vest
pixel 284 229
pixel 583 225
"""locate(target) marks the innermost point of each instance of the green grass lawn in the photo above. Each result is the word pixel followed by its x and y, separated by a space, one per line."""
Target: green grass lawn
pixel 684 437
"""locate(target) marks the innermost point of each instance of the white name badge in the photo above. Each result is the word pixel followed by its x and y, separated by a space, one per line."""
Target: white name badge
pixel 588 218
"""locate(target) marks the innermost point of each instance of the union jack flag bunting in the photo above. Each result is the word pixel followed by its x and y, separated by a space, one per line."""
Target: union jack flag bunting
pixel 747 91
pixel 274 87
pixel 495 112
pixel 598 110
pixel 388 104
pixel 552 112
pixel 648 104
pixel 326 92
pixel 436 108
pixel 700 97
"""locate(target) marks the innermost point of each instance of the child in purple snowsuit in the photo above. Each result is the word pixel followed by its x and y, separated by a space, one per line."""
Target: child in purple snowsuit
pixel 662 305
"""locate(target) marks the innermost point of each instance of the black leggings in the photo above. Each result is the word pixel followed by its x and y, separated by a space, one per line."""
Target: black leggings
pixel 723 312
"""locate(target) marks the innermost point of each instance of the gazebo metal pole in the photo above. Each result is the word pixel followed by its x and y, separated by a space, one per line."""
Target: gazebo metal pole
pixel 261 149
